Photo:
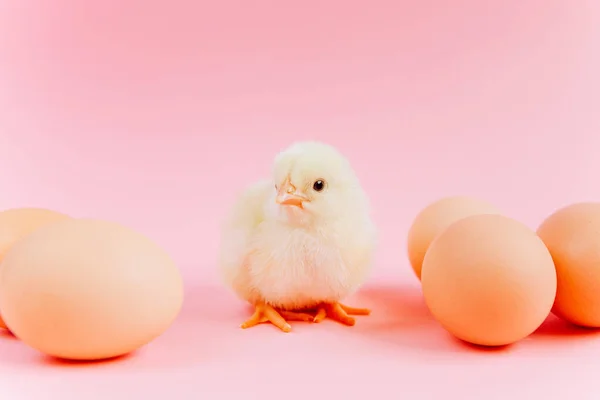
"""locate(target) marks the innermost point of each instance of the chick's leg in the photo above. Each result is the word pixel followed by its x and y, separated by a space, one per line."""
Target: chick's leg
pixel 339 312
pixel 296 316
pixel 265 313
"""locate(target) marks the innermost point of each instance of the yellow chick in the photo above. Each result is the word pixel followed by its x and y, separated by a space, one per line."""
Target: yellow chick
pixel 297 244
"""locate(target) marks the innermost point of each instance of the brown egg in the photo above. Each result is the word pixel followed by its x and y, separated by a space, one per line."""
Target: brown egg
pixel 572 234
pixel 86 289
pixel 17 223
pixel 436 217
pixel 489 280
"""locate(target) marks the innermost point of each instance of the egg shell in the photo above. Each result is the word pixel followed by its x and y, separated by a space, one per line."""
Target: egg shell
pixel 436 217
pixel 87 289
pixel 16 223
pixel 572 234
pixel 489 280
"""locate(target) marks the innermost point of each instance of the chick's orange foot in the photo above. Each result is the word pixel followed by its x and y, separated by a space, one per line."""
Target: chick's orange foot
pixel 339 312
pixel 265 313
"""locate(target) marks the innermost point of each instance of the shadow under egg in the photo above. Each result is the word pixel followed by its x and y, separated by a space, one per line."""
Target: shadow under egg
pixel 68 363
pixel 6 334
pixel 482 348
pixel 555 327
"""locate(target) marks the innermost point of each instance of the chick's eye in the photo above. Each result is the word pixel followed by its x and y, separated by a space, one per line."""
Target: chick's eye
pixel 318 185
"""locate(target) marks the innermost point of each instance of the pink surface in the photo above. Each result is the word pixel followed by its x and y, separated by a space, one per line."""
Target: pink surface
pixel 155 113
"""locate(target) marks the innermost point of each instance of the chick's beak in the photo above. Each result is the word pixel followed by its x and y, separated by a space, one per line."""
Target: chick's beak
pixel 288 195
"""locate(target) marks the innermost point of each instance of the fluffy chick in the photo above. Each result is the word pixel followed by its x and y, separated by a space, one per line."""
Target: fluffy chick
pixel 301 241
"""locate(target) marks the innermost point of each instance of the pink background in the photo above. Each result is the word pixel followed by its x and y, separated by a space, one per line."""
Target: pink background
pixel 154 113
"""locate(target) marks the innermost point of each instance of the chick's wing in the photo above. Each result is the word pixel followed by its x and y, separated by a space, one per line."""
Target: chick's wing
pixel 246 214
